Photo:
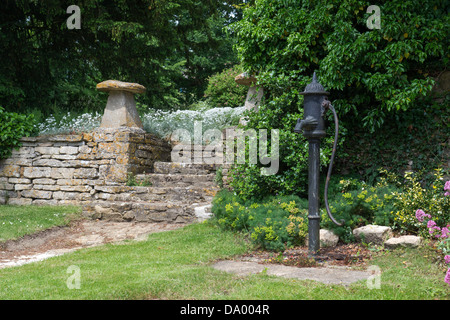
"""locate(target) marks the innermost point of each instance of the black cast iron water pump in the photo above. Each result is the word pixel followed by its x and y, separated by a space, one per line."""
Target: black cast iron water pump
pixel 312 126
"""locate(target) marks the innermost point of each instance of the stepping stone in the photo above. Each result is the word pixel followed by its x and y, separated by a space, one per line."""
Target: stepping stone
pixel 403 241
pixel 120 109
pixel 329 275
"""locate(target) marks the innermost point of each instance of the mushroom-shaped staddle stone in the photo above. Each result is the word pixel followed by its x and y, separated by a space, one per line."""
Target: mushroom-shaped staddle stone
pixel 120 109
pixel 245 79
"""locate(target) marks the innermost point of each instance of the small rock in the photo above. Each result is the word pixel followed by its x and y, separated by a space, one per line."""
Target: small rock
pixel 328 238
pixel 373 234
pixel 403 241
pixel 203 212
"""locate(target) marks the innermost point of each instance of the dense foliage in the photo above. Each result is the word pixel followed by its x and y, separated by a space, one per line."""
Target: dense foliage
pixel 392 201
pixel 373 75
pixel 274 224
pixel 223 91
pixel 170 47
pixel 13 126
pixel 369 72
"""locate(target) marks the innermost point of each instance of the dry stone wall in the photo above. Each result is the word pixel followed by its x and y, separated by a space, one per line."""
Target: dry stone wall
pixel 74 169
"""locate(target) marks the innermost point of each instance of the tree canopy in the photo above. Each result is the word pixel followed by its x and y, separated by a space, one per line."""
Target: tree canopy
pixel 368 71
pixel 373 75
pixel 169 46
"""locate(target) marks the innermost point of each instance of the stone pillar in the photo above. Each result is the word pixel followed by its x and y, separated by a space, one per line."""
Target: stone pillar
pixel 254 95
pixel 120 109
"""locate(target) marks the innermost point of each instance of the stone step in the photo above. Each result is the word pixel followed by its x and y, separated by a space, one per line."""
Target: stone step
pixel 177 180
pixel 197 154
pixel 168 212
pixel 147 211
pixel 125 193
pixel 185 168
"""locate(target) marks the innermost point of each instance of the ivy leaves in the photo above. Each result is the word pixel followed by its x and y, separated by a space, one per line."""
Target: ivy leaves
pixel 13 126
pixel 369 72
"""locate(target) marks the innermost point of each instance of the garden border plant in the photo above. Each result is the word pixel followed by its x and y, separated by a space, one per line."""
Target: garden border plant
pixel 275 223
pixel 13 127
pixel 441 234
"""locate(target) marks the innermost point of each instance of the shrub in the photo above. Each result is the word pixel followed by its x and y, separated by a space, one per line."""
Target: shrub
pixel 273 224
pixel 369 72
pixel 359 204
pixel 223 91
pixel 69 123
pixel 164 123
pixel 414 196
pixel 390 202
pixel 292 176
pixel 13 126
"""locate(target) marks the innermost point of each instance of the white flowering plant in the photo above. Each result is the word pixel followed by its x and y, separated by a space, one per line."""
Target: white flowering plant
pixel 69 123
pixel 159 122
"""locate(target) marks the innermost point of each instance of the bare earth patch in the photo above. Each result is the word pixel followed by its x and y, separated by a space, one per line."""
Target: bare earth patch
pixel 79 234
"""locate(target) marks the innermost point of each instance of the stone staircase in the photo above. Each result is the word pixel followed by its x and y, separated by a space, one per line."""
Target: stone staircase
pixel 174 192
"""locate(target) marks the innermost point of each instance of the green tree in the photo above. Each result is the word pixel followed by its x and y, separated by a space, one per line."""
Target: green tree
pixel 171 47
pixel 370 73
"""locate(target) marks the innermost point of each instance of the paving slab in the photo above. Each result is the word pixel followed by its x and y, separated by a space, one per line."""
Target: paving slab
pixel 326 275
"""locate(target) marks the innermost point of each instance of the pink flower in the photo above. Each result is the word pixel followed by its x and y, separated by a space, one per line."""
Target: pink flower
pixel 444 232
pixel 419 215
pixel 447 259
pixel 447 277
pixel 431 224
pixel 447 186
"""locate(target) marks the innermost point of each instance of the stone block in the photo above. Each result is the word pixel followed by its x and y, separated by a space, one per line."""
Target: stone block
pixel 19 187
pixel 84 149
pixel 76 188
pixel 23 151
pixel 44 181
pixel 62 173
pixel 328 238
pixel 37 194
pixel 41 202
pixel 47 150
pixel 48 187
pixel 69 182
pixel 68 150
pixel 28 162
pixel 64 157
pixel 373 234
pixel 19 180
pixel 20 201
pixel 66 138
pixel 10 171
pixel 85 173
pixel 121 111
pixel 41 172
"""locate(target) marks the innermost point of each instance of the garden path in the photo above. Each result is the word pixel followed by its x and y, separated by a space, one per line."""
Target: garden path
pixel 80 234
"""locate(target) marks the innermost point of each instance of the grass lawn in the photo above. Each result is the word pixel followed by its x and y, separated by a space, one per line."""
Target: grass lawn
pixel 17 221
pixel 176 265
